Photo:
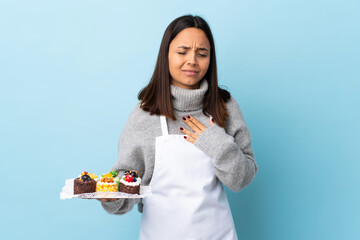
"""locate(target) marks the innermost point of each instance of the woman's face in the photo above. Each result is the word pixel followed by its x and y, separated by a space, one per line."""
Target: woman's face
pixel 189 58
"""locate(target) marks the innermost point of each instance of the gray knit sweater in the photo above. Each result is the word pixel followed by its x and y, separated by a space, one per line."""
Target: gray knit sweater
pixel 230 147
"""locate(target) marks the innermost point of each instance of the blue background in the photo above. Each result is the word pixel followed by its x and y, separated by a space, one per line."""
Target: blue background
pixel 70 72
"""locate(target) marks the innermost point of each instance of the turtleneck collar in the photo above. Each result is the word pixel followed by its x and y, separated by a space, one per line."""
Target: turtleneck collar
pixel 188 99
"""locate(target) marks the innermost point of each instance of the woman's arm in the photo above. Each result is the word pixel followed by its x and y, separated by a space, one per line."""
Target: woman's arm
pixel 121 206
pixel 233 157
pixel 130 156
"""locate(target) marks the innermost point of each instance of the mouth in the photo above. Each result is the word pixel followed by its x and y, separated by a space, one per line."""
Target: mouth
pixel 190 72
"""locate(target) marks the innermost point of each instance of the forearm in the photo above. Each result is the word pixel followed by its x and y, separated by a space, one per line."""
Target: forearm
pixel 235 167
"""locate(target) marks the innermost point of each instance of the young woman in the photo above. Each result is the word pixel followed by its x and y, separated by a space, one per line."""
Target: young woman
pixel 186 137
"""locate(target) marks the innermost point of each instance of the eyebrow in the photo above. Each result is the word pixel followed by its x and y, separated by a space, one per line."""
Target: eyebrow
pixel 185 47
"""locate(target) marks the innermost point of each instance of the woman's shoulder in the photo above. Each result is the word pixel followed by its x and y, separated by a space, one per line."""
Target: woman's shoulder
pixel 136 111
pixel 138 118
pixel 233 107
pixel 236 119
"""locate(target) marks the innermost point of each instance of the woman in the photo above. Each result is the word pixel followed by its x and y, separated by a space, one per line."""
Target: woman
pixel 186 137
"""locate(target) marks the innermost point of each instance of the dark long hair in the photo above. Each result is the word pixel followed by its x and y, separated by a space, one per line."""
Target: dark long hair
pixel 156 96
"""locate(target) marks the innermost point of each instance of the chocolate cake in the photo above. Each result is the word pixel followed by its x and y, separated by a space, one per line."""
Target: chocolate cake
pixel 129 189
pixel 130 182
pixel 84 184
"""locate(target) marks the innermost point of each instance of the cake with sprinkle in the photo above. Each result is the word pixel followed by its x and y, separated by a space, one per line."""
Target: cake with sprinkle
pixel 108 182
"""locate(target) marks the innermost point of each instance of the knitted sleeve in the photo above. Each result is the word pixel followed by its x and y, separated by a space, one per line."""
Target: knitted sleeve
pixel 230 149
pixel 130 156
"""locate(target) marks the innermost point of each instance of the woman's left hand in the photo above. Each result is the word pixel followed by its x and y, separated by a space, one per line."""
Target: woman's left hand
pixel 196 126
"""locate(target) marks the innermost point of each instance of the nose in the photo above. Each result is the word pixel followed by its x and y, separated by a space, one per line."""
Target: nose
pixel 192 59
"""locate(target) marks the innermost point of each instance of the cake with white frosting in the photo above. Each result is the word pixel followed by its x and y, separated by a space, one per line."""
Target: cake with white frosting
pixel 130 182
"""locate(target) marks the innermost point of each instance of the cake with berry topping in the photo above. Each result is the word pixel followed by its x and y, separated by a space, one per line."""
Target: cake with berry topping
pixel 108 182
pixel 85 183
pixel 130 182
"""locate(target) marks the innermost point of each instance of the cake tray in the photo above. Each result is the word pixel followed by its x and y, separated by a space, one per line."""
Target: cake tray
pixel 68 192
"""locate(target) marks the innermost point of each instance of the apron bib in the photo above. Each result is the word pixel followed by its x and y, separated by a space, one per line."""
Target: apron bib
pixel 188 202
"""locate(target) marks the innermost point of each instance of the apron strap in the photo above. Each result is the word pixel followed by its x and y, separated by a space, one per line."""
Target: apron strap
pixel 164 125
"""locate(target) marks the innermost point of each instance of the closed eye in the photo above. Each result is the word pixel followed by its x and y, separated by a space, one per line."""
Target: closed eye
pixel 183 53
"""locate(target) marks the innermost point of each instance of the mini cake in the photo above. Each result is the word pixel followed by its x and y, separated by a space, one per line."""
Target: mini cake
pixel 130 182
pixel 108 182
pixel 85 183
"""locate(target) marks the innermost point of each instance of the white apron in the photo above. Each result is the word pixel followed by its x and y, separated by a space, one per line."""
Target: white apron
pixel 188 201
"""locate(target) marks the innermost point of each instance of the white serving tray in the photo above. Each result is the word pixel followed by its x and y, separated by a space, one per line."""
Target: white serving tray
pixel 68 192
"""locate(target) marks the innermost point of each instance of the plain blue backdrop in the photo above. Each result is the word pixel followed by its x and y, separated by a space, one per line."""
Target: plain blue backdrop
pixel 70 72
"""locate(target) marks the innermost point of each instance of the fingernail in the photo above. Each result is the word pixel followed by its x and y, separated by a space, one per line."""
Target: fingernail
pixel 184 118
pixel 181 128
pixel 188 116
pixel 185 137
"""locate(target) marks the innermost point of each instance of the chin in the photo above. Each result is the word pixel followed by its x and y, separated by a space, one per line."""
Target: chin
pixel 192 84
pixel 188 82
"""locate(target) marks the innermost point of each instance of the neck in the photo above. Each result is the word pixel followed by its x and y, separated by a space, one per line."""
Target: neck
pixel 184 99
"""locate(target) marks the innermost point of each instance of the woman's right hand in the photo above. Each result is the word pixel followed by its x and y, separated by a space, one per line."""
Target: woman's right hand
pixel 104 200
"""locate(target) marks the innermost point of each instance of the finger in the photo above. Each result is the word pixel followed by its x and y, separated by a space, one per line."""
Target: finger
pixel 192 125
pixel 187 132
pixel 104 200
pixel 189 139
pixel 196 123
